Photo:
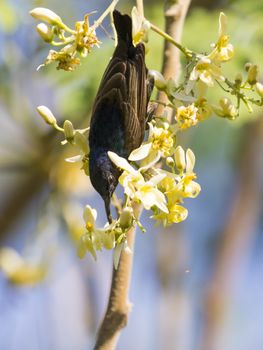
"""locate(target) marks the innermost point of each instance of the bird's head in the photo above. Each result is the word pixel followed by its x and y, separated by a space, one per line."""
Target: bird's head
pixel 104 178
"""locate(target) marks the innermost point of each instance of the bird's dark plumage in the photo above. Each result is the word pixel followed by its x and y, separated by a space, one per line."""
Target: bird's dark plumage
pixel 119 112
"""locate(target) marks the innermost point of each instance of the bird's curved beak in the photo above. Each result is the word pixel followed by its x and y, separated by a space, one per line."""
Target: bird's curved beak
pixel 107 208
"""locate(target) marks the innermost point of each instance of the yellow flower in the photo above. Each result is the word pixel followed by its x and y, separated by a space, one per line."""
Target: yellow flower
pixel 135 187
pixel 186 116
pixel 95 238
pixel 226 109
pixel 185 162
pixel 18 270
pixel 177 187
pixel 223 50
pixel 160 144
pixel 206 70
pixel 177 213
pixel 140 27
pixel 66 58
pixel 85 37
pixel 204 109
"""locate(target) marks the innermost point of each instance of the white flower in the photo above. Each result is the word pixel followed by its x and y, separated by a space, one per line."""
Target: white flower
pixel 160 144
pixel 46 15
pixel 186 116
pixel 45 32
pixel 95 238
pixel 135 187
pixel 47 115
pixel 205 70
pixel 18 270
pixel 223 50
pixel 140 27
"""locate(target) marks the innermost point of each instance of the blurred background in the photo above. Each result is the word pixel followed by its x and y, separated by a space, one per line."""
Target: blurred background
pixel 196 285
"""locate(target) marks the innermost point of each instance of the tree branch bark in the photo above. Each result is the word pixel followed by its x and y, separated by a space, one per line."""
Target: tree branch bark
pixel 175 12
pixel 118 308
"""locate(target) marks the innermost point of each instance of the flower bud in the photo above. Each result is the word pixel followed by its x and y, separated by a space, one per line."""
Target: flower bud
pixel 47 115
pixel 228 108
pixel 252 74
pixel 259 89
pixel 238 79
pixel 190 161
pixel 170 86
pixel 247 66
pixel 179 158
pixel 45 32
pixel 68 130
pixel 46 15
pixel 170 162
pixel 108 240
pixel 81 142
pixel 126 218
pixel 159 81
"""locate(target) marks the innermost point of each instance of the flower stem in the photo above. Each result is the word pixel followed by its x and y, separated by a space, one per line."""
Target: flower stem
pixel 67 29
pixel 139 5
pixel 105 13
pixel 61 43
pixel 188 53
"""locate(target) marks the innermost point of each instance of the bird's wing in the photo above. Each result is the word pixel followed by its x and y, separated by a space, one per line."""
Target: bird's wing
pixel 124 87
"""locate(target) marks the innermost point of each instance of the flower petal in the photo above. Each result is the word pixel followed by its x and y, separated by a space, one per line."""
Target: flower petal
pixel 190 161
pixel 121 163
pixel 222 24
pixel 90 215
pixel 157 178
pixel 74 159
pixel 141 152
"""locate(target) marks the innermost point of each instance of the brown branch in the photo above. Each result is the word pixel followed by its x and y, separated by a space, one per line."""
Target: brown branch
pixel 175 12
pixel 170 328
pixel 237 234
pixel 116 316
pixel 118 308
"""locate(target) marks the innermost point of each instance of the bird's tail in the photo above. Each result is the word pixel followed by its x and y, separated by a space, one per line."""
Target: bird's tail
pixel 123 25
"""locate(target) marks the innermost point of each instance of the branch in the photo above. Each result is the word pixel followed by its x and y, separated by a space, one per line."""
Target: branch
pixel 116 316
pixel 170 328
pixel 175 12
pixel 118 306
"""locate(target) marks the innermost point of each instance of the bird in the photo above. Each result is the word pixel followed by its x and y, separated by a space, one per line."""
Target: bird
pixel 119 113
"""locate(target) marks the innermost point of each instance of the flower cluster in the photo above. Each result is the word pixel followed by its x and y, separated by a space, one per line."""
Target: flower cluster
pixel 75 137
pixel 158 190
pixel 159 175
pixel 109 237
pixel 19 271
pixel 78 41
pixel 188 99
